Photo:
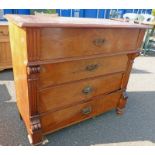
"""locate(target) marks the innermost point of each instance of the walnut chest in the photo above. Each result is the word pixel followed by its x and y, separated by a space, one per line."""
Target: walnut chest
pixel 5 51
pixel 67 70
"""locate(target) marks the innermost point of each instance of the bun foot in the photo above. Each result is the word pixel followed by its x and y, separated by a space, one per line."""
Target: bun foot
pixel 35 138
pixel 35 134
pixel 121 106
pixel 119 111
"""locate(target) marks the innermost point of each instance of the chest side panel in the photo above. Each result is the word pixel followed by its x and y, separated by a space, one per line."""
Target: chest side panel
pixel 19 56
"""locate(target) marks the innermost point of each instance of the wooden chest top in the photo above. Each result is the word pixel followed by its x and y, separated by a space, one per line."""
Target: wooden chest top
pixel 43 21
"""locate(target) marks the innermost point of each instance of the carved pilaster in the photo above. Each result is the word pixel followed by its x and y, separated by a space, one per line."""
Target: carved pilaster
pixel 140 38
pixel 126 75
pixel 33 69
pixel 33 43
pixel 35 135
pixel 125 79
pixel 33 72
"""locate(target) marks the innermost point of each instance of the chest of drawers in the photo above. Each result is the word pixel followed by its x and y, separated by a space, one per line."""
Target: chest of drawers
pixel 67 70
pixel 5 51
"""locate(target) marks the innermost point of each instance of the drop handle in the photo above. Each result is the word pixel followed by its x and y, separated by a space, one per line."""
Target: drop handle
pixel 87 90
pixel 87 110
pixel 91 67
pixel 98 42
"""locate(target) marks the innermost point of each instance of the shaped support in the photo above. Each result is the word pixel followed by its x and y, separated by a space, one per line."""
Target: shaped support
pixel 122 103
pixel 35 135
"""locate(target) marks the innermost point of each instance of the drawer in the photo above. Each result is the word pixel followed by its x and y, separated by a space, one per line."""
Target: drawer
pixel 57 73
pixel 4 34
pixel 62 118
pixel 64 42
pixel 70 94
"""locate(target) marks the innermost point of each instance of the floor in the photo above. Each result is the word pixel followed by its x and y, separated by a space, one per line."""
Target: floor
pixel 135 127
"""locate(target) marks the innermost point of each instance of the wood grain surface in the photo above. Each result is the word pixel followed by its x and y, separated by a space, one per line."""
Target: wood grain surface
pixel 5 50
pixel 74 114
pixel 68 94
pixel 57 73
pixel 38 21
pixel 67 70
pixel 63 43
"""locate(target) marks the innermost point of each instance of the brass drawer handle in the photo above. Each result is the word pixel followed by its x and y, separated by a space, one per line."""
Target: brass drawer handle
pixel 87 90
pixel 87 110
pixel 91 67
pixel 98 42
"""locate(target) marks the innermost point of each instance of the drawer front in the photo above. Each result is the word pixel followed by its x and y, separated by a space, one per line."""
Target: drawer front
pixel 4 34
pixel 65 42
pixel 70 94
pixel 57 73
pixel 62 118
